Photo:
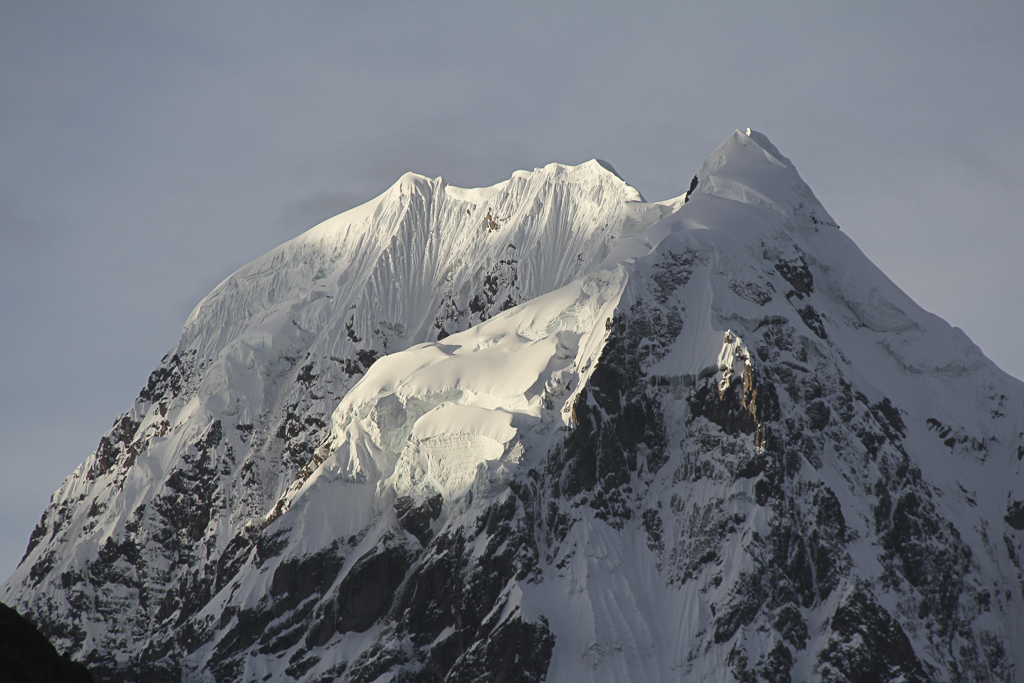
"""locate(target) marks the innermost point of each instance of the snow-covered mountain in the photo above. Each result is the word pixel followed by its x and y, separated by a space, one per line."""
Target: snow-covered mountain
pixel 549 430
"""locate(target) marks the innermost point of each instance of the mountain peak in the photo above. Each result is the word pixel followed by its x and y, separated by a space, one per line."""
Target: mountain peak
pixel 410 181
pixel 764 143
pixel 544 428
pixel 749 169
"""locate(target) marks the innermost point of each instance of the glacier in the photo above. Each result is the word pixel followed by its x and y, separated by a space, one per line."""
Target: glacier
pixel 548 430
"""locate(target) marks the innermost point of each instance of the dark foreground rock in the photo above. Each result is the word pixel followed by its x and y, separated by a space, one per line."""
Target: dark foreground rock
pixel 26 656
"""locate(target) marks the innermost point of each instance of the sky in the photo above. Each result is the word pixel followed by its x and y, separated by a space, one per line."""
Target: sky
pixel 148 150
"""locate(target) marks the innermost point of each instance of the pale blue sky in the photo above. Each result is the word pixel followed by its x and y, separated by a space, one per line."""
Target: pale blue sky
pixel 147 150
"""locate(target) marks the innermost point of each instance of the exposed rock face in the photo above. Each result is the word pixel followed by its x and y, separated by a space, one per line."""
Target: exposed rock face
pixel 867 644
pixel 700 439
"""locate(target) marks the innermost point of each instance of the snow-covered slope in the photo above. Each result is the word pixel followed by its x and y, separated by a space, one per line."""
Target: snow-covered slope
pixel 592 438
